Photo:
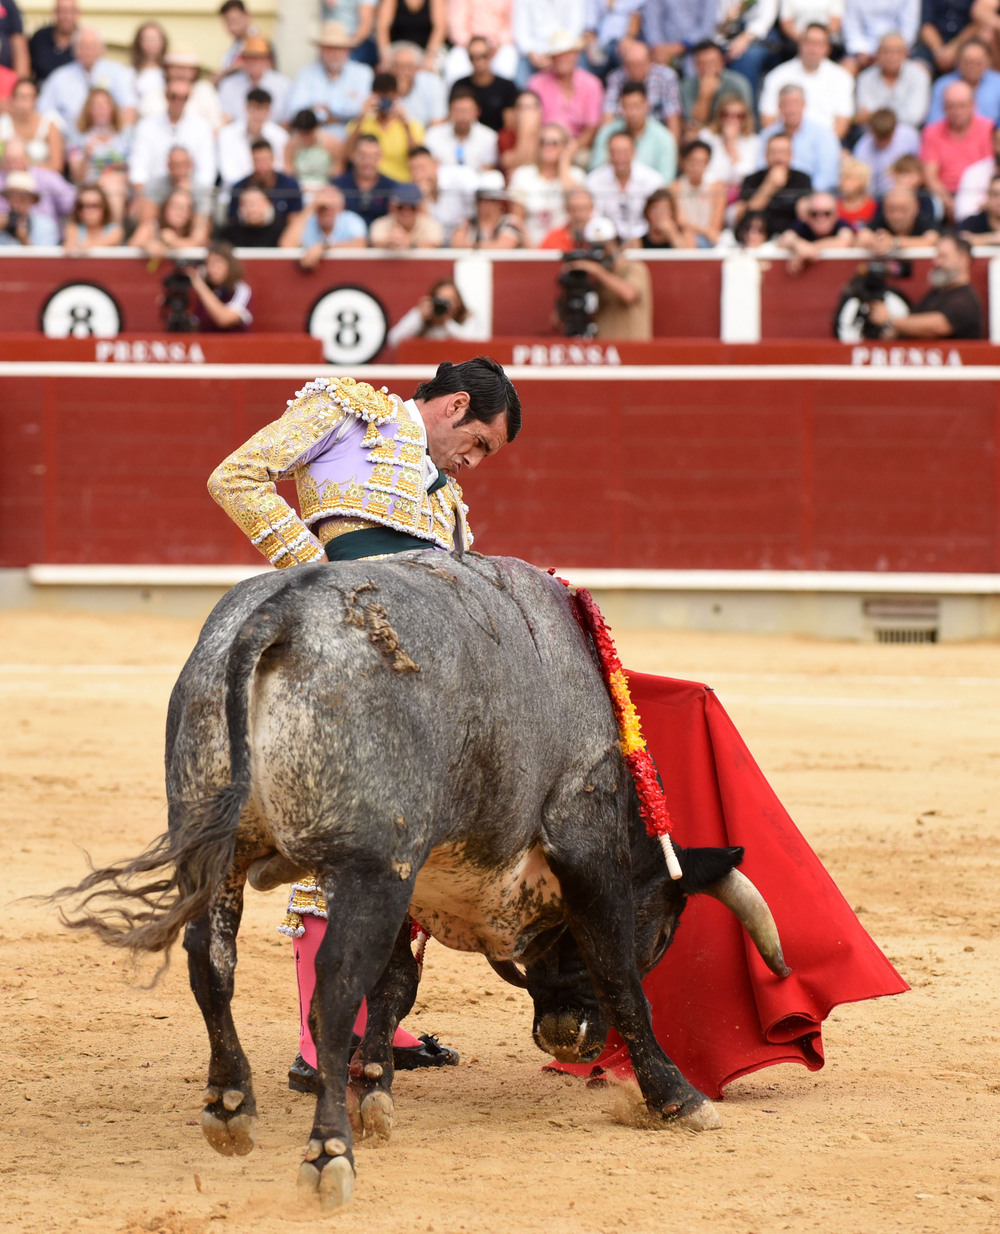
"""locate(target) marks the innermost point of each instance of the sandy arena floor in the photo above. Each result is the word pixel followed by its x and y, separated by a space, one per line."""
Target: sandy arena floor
pixel 888 759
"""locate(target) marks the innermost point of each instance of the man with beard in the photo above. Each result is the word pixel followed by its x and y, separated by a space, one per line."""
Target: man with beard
pixel 951 309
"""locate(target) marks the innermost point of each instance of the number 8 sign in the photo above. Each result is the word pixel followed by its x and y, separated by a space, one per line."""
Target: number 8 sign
pixel 350 323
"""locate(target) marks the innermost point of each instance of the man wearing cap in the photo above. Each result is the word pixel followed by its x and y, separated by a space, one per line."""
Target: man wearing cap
pixel 624 290
pixel 334 87
pixel 66 90
pixel 570 95
pixel 407 225
pixel 366 191
pixel 21 222
pixel 257 73
pixel 462 140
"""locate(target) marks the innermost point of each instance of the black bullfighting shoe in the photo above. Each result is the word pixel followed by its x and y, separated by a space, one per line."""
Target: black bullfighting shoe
pixel 430 1053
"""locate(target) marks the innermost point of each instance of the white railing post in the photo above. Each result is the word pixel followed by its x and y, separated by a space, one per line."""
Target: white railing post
pixel 740 307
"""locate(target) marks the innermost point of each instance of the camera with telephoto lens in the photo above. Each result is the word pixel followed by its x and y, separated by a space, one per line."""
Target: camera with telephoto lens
pixel 577 302
pixel 175 309
pixel 440 307
pixel 870 285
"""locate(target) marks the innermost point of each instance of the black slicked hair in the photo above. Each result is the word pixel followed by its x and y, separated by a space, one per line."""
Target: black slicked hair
pixel 491 392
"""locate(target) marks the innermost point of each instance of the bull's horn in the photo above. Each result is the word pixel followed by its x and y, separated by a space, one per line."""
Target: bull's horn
pixel 739 894
pixel 509 971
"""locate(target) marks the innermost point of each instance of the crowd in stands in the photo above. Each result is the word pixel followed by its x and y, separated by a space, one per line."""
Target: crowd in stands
pixel 509 124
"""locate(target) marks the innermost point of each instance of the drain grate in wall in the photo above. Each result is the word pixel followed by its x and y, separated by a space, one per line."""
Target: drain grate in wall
pixel 903 619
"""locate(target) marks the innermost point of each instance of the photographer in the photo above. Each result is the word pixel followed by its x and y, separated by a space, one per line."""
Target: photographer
pixel 951 309
pixel 223 298
pixel 385 119
pixel 441 314
pixel 603 294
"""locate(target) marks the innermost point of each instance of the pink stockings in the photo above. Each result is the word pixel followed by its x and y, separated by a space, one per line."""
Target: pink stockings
pixel 305 973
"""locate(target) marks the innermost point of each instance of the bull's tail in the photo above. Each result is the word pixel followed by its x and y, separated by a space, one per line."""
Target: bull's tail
pixel 143 903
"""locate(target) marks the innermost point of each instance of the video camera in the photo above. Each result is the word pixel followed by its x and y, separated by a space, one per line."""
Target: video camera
pixel 870 285
pixel 577 302
pixel 175 307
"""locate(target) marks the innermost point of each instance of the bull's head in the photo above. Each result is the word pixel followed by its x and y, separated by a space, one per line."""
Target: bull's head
pixel 568 1021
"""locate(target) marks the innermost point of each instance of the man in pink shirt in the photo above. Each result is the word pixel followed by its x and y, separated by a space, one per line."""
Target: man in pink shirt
pixel 570 96
pixel 951 145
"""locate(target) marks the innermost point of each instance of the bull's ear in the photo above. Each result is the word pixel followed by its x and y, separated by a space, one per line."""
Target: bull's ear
pixel 704 866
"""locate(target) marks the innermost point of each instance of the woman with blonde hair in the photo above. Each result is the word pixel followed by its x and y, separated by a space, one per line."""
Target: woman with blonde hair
pixel 734 145
pixel 92 224
pixel 39 131
pixel 538 189
pixel 855 203
pixel 99 149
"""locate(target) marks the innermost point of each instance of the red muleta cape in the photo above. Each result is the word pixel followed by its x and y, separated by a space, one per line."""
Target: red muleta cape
pixel 718 1010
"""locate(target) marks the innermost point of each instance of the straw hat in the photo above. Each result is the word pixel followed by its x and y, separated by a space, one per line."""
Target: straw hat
pixel 333 34
pixel 20 182
pixel 561 41
pixel 256 45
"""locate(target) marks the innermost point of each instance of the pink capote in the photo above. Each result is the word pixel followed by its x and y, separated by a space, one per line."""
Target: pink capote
pixel 718 1011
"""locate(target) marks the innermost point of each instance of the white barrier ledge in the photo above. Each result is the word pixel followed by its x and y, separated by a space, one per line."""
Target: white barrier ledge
pixel 42 575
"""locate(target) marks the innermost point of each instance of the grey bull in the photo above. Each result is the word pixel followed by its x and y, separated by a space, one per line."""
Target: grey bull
pixel 432 736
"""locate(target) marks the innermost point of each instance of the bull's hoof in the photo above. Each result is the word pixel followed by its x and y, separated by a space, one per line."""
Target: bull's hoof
pixel 694 1116
pixel 377 1112
pixel 330 1180
pixel 228 1121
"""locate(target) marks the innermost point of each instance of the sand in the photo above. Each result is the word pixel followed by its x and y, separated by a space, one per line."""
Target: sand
pixel 887 758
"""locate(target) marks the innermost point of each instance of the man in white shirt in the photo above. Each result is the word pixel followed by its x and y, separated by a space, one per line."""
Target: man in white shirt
pixel 462 140
pixel 334 87
pixel 449 192
pixel 257 73
pixel 156 136
pixel 235 140
pixel 894 82
pixel 421 94
pixel 65 91
pixel 621 187
pixel 828 89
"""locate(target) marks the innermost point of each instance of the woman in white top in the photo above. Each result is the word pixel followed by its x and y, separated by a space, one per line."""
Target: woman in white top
pixel 700 202
pixel 734 145
pixel 441 314
pixel 538 190
pixel 39 131
pixel 149 47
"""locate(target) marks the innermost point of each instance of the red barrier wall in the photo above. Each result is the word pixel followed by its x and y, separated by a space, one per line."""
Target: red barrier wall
pixel 693 472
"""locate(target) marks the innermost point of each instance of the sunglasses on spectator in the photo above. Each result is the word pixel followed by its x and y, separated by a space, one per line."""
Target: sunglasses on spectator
pixel 177 97
pixel 821 214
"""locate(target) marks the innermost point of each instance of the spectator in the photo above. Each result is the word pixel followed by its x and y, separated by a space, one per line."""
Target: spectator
pixel 534 24
pixel 747 34
pixel 156 136
pixel 867 22
pixel 358 19
pixel 147 57
pixel 177 226
pixel 366 191
pixel 425 24
pixel 700 202
pixel 39 131
pixel 449 192
pixel 179 175
pixel 710 81
pixel 894 83
pixel 92 224
pixel 655 145
pixel 324 225
pixel 493 226
pixel 239 26
pixel 441 314
pixel 236 139
pixel 662 90
pixel 815 150
pixel 900 222
pixel 945 26
pixel 856 205
pixel 775 190
pixel 56 197
pixel 13 45
pixel 386 120
pixel 954 143
pixel 621 187
pixel 752 233
pixel 99 150
pixel 609 27
pixel 222 293
pixel 734 144
pixel 624 292
pixel 407 225
pixel 489 22
pixel 570 95
pixel 518 141
pixel 539 190
pixel 256 72
pixel 908 172
pixel 493 94
pixel 21 220
pixel 579 202
pixel 311 155
pixel 50 47
pixel 983 227
pixel 673 27
pixel 975 182
pixel 884 143
pixel 818 228
pixel 282 190
pixel 827 88
pixel 66 89
pixel 255 223
pixel 665 229
pixel 974 69
pixel 796 15
pixel 183 67
pixel 461 138
pixel 951 309
pixel 334 87
pixel 422 94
